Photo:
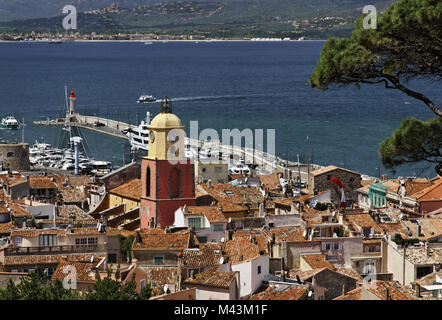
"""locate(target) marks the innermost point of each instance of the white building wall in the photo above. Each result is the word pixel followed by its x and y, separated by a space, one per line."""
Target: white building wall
pixel 250 280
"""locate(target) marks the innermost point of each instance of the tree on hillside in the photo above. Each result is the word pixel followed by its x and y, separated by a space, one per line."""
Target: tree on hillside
pixel 406 45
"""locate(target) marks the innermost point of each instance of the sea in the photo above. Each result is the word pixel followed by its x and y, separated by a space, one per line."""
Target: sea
pixel 222 85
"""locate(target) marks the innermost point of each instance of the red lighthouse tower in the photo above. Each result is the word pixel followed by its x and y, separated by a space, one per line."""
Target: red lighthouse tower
pixel 167 176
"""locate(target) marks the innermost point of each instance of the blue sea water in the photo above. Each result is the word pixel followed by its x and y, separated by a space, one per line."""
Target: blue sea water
pixel 220 84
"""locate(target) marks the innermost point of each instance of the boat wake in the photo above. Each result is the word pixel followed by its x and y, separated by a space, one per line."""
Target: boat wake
pixel 199 98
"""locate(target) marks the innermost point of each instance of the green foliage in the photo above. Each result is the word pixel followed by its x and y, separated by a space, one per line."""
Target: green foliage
pixel 413 141
pixel 146 292
pixel 322 206
pixel 37 287
pixel 126 248
pixel 340 232
pixel 405 45
pixel 109 289
pixel 404 242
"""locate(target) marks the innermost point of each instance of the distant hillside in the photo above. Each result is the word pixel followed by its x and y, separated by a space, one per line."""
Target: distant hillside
pixel 255 18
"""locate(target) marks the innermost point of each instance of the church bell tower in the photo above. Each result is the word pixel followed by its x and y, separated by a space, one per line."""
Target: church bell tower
pixel 167 176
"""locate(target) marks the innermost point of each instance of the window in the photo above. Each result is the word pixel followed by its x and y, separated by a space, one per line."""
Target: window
pixel 148 181
pixel 194 223
pixel 202 239
pixel 369 267
pixel 328 177
pixel 195 271
pixel 46 240
pixel 83 242
pixel 49 271
pixel 142 283
pixel 204 169
pixel 333 257
pixel 259 269
pixel 218 227
pixel 229 193
pixel 336 246
pixel 158 260
pixel 323 232
pixel 327 246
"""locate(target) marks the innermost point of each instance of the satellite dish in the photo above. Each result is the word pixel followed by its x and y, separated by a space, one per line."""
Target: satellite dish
pixel 310 293
pixel 229 220
pixel 304 233
pixel 92 259
pixel 221 260
pixel 222 240
pixel 165 288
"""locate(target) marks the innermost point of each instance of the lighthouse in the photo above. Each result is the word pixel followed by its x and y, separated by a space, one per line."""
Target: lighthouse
pixel 72 101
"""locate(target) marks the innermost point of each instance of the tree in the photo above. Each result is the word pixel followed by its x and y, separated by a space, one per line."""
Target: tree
pixel 407 44
pixel 412 142
pixel 37 287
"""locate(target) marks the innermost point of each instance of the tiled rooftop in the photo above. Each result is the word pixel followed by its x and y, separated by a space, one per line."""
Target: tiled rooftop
pixel 160 240
pixel 131 189
pixel 316 261
pixel 41 183
pixel 240 250
pixel 280 292
pixel 197 258
pixel 330 168
pixel 212 213
pixel 213 278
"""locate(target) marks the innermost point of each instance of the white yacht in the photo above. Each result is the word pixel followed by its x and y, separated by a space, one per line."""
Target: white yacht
pixel 146 98
pixel 139 136
pixel 10 123
pixel 101 168
pixel 239 168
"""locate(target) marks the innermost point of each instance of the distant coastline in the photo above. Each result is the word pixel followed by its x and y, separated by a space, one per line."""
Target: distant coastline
pixel 171 40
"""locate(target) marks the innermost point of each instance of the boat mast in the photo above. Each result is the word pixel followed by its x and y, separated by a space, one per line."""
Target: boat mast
pixel 23 131
pixel 68 116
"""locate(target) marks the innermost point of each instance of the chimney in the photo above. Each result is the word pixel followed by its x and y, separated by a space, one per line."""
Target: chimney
pixel 387 294
pixel 209 184
pixel 427 250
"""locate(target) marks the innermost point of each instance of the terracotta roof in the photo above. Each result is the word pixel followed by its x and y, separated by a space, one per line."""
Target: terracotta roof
pixel 289 234
pixel 262 238
pixel 41 183
pixel 228 194
pixel 270 181
pixel 198 258
pixel 33 232
pixel 213 278
pixel 155 240
pixel 432 192
pixel 81 216
pixel 18 211
pixel 362 220
pixel 394 228
pixel 317 261
pixel 131 190
pixel 78 181
pixel 159 276
pixel 304 275
pixel 331 168
pixel 212 213
pixel 280 292
pixel 73 195
pixel 240 250
pixel 84 270
pixel 429 279
pixel 378 288
pixel 5 228
pixel 45 259
pixel 350 272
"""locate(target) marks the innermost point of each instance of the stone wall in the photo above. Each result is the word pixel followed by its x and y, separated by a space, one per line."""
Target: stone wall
pixel 350 181
pixel 15 156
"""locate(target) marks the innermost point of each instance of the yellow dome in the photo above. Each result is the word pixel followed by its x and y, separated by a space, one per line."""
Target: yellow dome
pixel 165 121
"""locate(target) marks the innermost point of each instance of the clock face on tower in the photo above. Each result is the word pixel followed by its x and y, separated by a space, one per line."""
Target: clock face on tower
pixel 152 136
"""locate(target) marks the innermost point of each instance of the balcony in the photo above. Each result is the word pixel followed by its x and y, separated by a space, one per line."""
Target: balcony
pixel 62 249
